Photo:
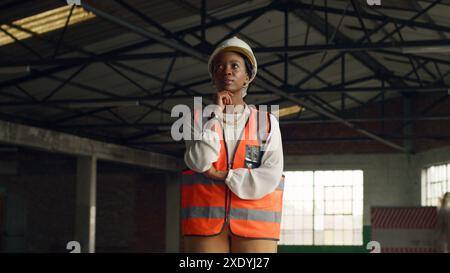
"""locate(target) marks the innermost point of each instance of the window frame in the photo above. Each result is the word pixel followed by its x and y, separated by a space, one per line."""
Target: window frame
pixel 426 183
pixel 356 229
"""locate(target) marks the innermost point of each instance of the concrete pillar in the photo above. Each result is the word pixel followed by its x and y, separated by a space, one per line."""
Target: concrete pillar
pixel 173 182
pixel 86 203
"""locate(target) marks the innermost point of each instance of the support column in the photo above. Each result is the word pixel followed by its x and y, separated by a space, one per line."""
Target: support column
pixel 86 203
pixel 173 184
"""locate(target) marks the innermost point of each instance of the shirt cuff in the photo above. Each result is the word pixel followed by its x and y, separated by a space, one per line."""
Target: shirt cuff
pixel 228 178
pixel 207 167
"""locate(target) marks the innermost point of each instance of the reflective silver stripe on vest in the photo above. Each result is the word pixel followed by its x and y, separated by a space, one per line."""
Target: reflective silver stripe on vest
pixel 203 212
pixel 198 178
pixel 262 127
pixel 255 215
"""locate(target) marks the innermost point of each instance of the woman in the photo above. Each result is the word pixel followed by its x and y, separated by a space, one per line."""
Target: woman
pixel 232 195
pixel 444 224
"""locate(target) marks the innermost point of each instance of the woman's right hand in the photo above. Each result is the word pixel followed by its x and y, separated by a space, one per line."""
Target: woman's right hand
pixel 223 98
pixel 212 173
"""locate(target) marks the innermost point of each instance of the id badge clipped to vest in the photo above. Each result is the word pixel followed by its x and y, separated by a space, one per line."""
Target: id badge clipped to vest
pixel 253 155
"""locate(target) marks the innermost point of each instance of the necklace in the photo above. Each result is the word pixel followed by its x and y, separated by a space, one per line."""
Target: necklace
pixel 236 120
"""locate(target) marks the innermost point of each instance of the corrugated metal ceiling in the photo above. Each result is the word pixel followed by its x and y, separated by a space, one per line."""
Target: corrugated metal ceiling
pixel 99 36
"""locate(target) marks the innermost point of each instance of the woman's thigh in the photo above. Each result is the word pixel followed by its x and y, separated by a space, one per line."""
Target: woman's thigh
pixel 210 244
pixel 244 245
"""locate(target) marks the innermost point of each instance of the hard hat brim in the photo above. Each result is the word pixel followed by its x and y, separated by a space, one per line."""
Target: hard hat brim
pixel 239 50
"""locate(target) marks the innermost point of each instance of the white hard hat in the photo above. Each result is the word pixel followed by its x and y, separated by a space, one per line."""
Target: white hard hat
pixel 237 45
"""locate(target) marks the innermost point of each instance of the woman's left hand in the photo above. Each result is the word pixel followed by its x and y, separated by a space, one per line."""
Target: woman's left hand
pixel 212 173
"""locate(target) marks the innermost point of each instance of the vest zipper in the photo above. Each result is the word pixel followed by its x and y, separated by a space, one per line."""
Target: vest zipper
pixel 227 203
pixel 228 194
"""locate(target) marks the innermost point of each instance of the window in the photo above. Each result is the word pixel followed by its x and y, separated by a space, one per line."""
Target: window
pixel 322 208
pixel 435 182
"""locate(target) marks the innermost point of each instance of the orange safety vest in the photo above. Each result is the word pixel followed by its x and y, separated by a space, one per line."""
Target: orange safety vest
pixel 208 205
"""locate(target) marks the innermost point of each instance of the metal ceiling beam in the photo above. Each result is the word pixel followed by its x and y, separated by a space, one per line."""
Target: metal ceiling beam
pixel 67 80
pixel 258 12
pixel 117 51
pixel 363 139
pixel 21 43
pixel 37 74
pixel 203 21
pixel 430 20
pixel 166 126
pixel 171 43
pixel 344 47
pixel 97 136
pixel 79 113
pixel 404 24
pixel 38 138
pixel 63 32
pixel 119 99
pixel 398 28
pixel 351 46
pixel 93 59
pixel 95 90
pixel 325 65
pixel 187 86
pixel 361 21
pixel 229 19
pixel 304 140
pixel 415 56
pixel 364 58
pixel 425 111
pixel 239 28
pixel 364 120
pixel 258 81
pixel 412 24
pixel 151 22
pixel 300 102
pixel 418 89
pixel 297 92
pixel 43 73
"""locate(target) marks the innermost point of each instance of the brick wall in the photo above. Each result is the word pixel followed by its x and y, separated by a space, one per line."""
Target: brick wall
pixel 301 139
pixel 130 203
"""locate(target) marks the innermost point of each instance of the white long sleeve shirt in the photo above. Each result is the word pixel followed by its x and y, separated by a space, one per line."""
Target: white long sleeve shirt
pixel 246 183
